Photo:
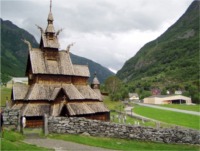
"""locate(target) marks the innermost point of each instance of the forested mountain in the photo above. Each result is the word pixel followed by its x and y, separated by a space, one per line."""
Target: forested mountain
pixel 170 60
pixel 14 53
pixel 102 72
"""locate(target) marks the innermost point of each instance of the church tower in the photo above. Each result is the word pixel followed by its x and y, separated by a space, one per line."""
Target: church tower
pixel 49 37
pixel 95 83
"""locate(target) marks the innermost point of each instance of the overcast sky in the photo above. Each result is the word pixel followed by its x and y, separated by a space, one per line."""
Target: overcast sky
pixel 106 31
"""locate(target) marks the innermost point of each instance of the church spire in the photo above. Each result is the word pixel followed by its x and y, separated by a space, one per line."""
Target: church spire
pixel 95 83
pixel 49 37
pixel 50 5
pixel 50 27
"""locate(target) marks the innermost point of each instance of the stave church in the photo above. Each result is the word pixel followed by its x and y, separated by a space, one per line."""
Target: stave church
pixel 56 87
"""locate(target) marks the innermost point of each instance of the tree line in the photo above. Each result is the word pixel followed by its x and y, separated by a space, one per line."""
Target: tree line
pixel 119 90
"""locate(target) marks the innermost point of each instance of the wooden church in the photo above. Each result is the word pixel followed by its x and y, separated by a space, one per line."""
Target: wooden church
pixel 56 87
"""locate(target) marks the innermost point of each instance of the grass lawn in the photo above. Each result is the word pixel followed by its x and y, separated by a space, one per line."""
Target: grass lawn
pixel 122 144
pixel 5 92
pixel 13 141
pixel 195 108
pixel 113 105
pixel 181 119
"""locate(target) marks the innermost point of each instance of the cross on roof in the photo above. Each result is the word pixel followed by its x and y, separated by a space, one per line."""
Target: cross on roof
pixel 64 98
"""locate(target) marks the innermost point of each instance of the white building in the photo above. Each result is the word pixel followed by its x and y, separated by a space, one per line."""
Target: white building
pixel 23 80
pixel 168 99
pixel 133 96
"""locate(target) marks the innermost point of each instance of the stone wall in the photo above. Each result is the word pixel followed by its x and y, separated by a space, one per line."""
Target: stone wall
pixel 106 129
pixel 11 118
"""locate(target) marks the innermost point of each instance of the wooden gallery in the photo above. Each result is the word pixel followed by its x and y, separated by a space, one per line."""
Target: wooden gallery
pixel 56 87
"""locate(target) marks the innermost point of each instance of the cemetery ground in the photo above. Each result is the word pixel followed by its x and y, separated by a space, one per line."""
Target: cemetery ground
pixel 167 118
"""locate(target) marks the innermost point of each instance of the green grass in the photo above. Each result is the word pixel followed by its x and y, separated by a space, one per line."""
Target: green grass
pixel 5 92
pixel 119 106
pixel 13 141
pixel 195 108
pixel 113 105
pixel 181 119
pixel 122 144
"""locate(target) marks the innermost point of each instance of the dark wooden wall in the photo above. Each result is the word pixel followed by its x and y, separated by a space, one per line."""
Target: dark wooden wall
pixel 104 116
pixel 57 79
pixel 34 122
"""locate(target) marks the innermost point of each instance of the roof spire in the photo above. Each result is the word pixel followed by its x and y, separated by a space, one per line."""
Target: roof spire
pixel 49 37
pixel 50 16
pixel 50 5
pixel 50 28
pixel 95 83
pixel 95 80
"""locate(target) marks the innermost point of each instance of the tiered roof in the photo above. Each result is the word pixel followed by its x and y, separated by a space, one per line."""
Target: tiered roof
pixel 60 64
pixel 50 91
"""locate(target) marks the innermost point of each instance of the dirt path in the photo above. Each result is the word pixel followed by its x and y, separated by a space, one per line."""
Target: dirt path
pixel 60 145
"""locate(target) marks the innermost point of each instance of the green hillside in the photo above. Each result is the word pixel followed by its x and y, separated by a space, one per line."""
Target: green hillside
pixel 171 60
pixel 14 53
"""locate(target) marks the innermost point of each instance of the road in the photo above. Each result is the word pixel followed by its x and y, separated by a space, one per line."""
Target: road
pixel 60 145
pixel 170 109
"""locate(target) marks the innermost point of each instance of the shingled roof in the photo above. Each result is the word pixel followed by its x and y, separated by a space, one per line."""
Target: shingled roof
pixel 86 108
pixel 50 92
pixel 61 65
pixel 19 91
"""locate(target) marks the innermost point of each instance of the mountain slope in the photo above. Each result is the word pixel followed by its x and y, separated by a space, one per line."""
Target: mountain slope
pixel 14 54
pixel 102 72
pixel 171 58
pixel 13 51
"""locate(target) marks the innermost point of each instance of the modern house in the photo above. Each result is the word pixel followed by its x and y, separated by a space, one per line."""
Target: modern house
pixel 133 96
pixel 167 99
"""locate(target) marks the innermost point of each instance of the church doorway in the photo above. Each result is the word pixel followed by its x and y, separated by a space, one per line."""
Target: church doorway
pixel 34 122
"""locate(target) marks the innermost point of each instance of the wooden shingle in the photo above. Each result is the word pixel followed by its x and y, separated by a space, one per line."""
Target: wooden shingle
pixel 87 92
pixel 86 108
pixel 33 109
pixel 19 91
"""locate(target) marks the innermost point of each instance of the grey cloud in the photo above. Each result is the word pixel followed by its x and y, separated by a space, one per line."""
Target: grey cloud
pixel 83 20
pixel 99 15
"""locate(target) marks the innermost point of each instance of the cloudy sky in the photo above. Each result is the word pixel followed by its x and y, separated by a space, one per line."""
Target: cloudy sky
pixel 106 31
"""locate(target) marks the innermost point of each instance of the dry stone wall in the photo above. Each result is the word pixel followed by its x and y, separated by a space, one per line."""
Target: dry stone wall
pixel 11 118
pixel 64 125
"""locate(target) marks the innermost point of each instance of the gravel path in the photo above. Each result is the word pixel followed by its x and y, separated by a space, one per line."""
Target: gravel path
pixel 60 145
